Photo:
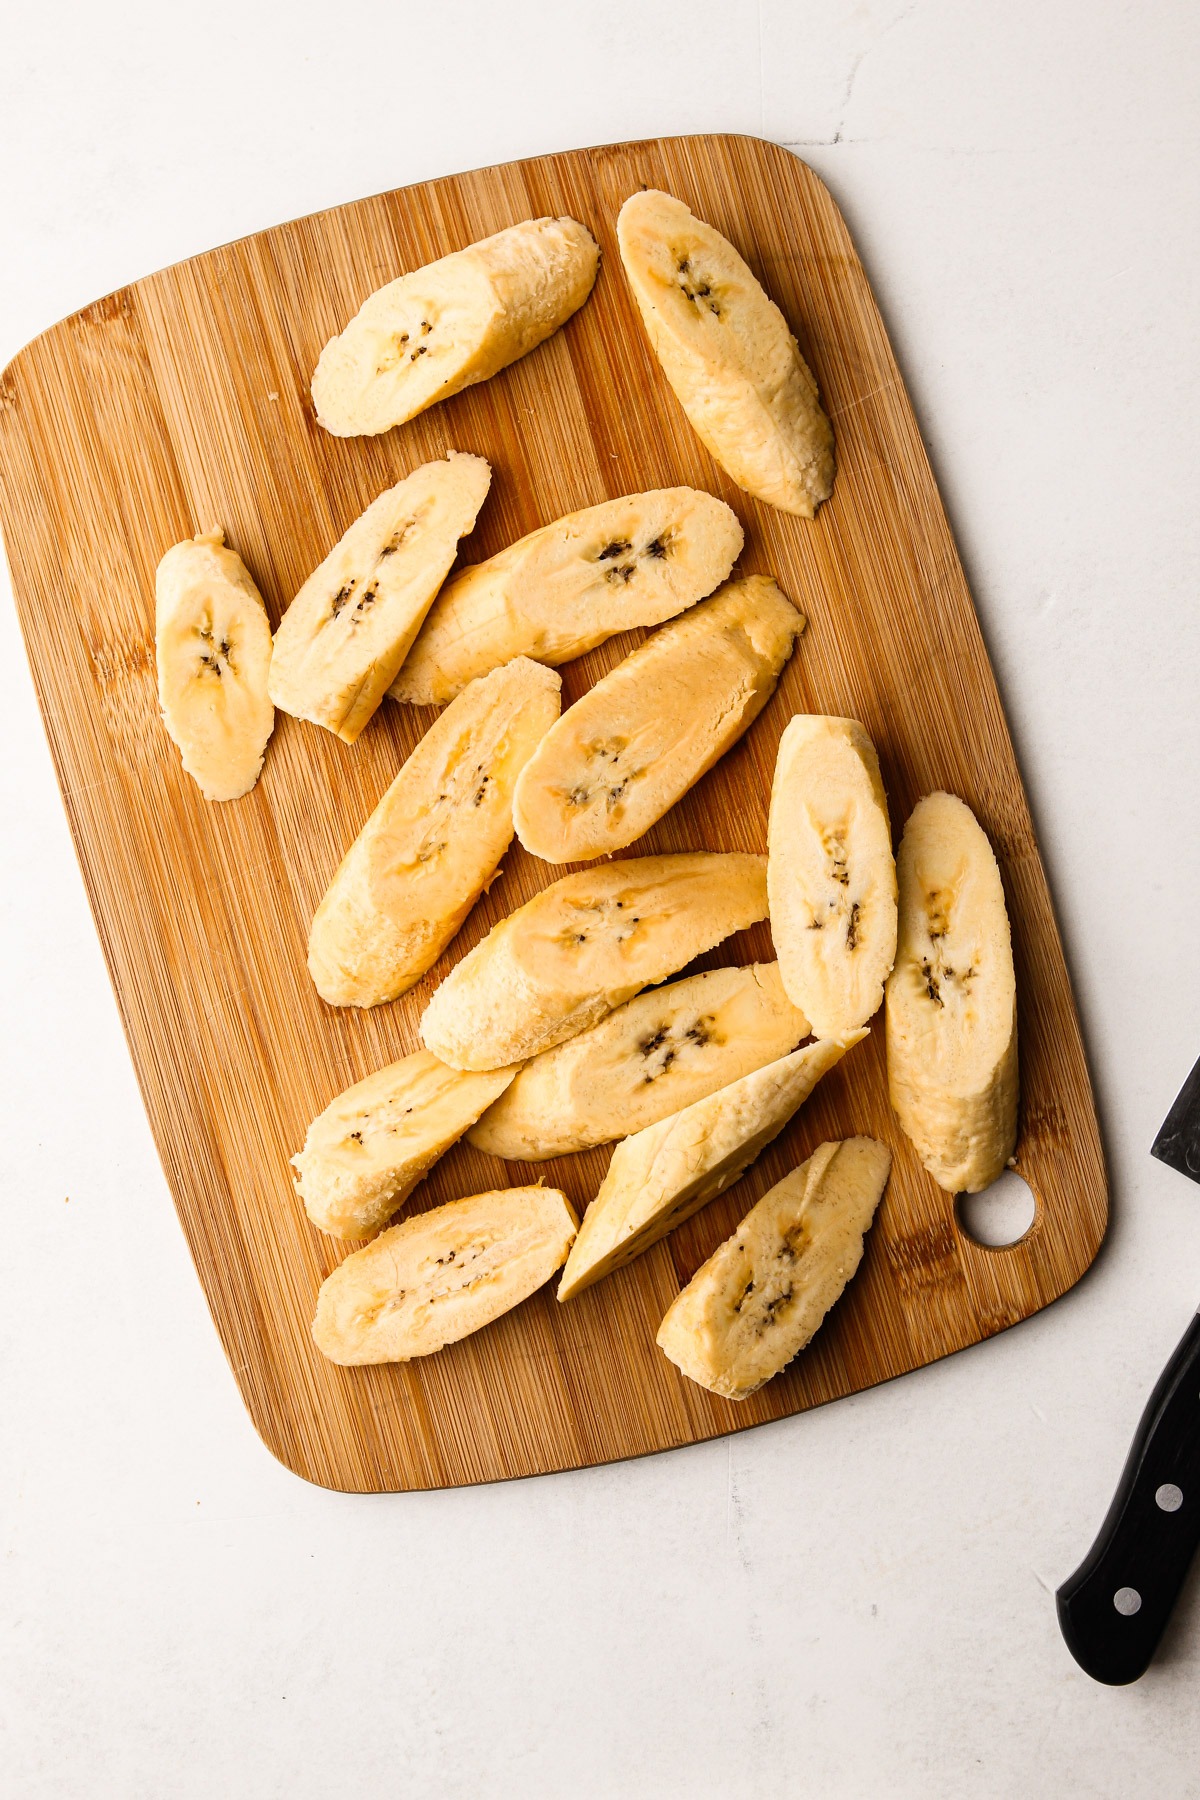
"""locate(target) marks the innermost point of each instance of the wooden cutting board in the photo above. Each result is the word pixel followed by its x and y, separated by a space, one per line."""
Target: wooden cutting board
pixel 183 400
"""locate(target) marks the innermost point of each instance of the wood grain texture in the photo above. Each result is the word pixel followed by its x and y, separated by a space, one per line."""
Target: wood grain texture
pixel 183 401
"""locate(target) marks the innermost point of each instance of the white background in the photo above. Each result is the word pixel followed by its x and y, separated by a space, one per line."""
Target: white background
pixel 853 1603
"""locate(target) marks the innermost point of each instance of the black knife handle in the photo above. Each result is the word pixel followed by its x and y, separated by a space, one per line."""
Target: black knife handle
pixel 1114 1608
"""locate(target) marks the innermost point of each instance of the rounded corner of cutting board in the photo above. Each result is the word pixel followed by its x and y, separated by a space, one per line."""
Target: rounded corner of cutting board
pixel 297 1461
pixel 98 311
pixel 15 366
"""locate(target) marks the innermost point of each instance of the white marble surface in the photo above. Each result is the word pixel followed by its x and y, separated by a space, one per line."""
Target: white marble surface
pixel 853 1603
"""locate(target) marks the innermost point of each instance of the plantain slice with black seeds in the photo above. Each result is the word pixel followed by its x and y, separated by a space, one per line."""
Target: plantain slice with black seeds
pixel 583 946
pixel 830 873
pixel 344 636
pixel 366 1152
pixel 434 841
pixel 443 327
pixel 664 1174
pixel 564 588
pixel 652 1056
pixel 212 643
pixel 438 1277
pixel 648 730
pixel 952 999
pixel 763 1294
pixel 729 354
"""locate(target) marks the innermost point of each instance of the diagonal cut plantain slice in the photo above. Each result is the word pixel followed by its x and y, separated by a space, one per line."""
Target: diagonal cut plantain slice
pixel 436 1278
pixel 646 732
pixel 729 354
pixel 762 1295
pixel 662 1175
pixel 584 945
pixel 952 1000
pixel 364 1155
pixel 459 320
pixel 342 639
pixel 830 873
pixel 565 588
pixel 652 1056
pixel 434 841
pixel 212 646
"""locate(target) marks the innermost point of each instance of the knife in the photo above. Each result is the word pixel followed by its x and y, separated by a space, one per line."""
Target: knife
pixel 1114 1608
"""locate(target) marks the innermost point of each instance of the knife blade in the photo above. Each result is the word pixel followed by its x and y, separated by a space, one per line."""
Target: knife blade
pixel 1178 1140
pixel 1113 1610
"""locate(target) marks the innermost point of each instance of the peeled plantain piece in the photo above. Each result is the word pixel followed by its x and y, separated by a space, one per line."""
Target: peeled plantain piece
pixel 212 646
pixel 762 1295
pixel 662 1175
pixel 952 1000
pixel 364 1155
pixel 433 842
pixel 729 354
pixel 565 588
pixel 830 873
pixel 440 1276
pixel 459 320
pixel 646 732
pixel 349 628
pixel 652 1056
pixel 584 945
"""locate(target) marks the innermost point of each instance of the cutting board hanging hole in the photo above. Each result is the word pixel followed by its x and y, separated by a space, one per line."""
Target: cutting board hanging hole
pixel 1001 1215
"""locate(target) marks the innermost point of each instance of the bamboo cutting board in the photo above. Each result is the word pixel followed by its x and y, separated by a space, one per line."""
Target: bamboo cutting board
pixel 183 400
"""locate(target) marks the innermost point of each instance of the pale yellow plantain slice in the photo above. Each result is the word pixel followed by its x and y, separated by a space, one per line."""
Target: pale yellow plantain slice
pixel 212 646
pixel 584 945
pixel 436 1278
pixel 566 587
pixel 652 1056
pixel 762 1295
pixel 433 842
pixel 830 873
pixel 646 732
pixel 364 1155
pixel 729 354
pixel 342 639
pixel 952 1000
pixel 662 1175
pixel 459 320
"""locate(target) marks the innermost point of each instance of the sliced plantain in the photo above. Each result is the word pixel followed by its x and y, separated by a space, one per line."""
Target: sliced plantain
pixel 645 733
pixel 565 588
pixel 364 1155
pixel 212 645
pixel 434 841
pixel 952 1000
pixel 729 354
pixel 436 1278
pixel 652 1056
pixel 830 873
pixel 662 1175
pixel 454 322
pixel 762 1295
pixel 584 945
pixel 349 628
